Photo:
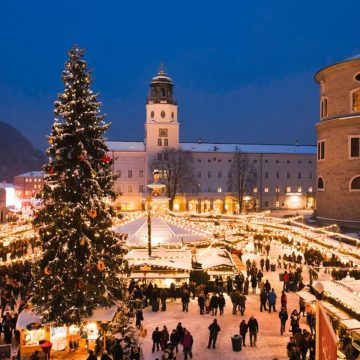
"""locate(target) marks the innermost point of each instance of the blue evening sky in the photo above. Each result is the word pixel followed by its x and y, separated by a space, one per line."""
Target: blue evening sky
pixel 243 70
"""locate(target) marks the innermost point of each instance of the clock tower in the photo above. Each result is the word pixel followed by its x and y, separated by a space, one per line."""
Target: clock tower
pixel 161 126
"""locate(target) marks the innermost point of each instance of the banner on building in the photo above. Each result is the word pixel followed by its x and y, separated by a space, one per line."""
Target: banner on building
pixel 326 341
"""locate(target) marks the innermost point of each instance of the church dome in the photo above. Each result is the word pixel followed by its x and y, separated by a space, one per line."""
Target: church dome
pixel 161 88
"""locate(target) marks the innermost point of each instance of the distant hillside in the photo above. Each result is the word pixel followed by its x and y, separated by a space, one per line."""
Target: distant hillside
pixel 17 154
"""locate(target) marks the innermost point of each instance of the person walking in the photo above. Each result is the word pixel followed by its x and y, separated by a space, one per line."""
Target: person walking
pixel 267 286
pixel 243 331
pixel 156 337
pixel 262 263
pixel 201 302
pixel 242 302
pixel 185 299
pixel 283 316
pixel 246 286
pixel 91 356
pixel 272 300
pixel 174 340
pixel 214 329
pixel 253 327
pixel 267 264
pixel 164 338
pixel 221 304
pixel 253 284
pixel 187 345
pixel 263 300
pixel 163 299
pixel 283 300
pixel 181 331
pixel 214 304
pixel 301 307
pixel 286 281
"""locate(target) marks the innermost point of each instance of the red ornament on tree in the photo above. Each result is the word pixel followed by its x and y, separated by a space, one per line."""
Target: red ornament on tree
pixel 82 156
pixel 80 284
pixel 51 170
pixel 106 159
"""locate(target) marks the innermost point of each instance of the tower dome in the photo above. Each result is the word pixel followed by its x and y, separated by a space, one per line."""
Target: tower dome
pixel 161 89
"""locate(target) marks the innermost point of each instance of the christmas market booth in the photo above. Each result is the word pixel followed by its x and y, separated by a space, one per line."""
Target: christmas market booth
pixel 167 266
pixel 59 339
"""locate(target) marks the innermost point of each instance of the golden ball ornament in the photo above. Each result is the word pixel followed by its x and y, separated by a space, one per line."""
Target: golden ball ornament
pixel 82 241
pixel 101 266
pixel 47 270
pixel 92 213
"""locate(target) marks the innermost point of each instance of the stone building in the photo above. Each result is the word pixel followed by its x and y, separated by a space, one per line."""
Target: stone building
pixel 338 145
pixel 28 185
pixel 286 174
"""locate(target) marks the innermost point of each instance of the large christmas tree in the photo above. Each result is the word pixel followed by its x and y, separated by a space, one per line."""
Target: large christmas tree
pixel 81 256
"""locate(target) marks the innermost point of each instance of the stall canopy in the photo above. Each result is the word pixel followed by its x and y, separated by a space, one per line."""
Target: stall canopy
pixel 351 324
pixel 306 296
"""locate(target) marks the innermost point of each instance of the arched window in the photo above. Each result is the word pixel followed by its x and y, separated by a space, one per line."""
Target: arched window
pixel 355 183
pixel 320 183
pixel 356 100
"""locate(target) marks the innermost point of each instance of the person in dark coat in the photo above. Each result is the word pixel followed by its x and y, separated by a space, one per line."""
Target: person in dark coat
pixel 262 263
pixel 243 331
pixel 253 283
pixel 267 264
pixel 267 286
pixel 263 300
pixel 138 318
pixel 174 340
pixel 187 345
pixel 7 332
pixel 156 337
pixel 259 277
pixel 201 303
pixel 164 338
pixel 283 316
pixel 163 299
pixel 253 327
pixel 181 331
pixel 117 351
pixel 229 285
pixel 105 356
pixel 214 304
pixel 246 287
pixel 214 329
pixel 173 291
pixel 242 302
pixel 90 357
pixel 185 299
pixel 221 304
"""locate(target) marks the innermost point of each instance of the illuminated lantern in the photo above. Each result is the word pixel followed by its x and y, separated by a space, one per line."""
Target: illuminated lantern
pixel 106 159
pixel 47 270
pixel 101 266
pixel 92 213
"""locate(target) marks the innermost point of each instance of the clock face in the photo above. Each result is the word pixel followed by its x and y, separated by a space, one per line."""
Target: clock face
pixel 163 132
pixel 163 114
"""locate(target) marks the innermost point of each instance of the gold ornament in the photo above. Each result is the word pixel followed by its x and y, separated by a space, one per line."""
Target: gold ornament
pixel 92 213
pixel 47 270
pixel 101 266
pixel 51 140
pixel 82 241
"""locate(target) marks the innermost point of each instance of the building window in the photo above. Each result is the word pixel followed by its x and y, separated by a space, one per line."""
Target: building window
pixel 299 161
pixel 288 175
pixel 229 160
pixel 209 160
pixel 199 160
pixel 159 142
pixel 219 175
pixel 255 190
pixel 266 161
pixel 266 189
pixel 141 174
pixel 278 175
pixel 130 189
pixel 277 161
pixel 199 174
pixel 288 189
pixel 320 183
pixel 321 150
pixel 209 188
pixel 266 175
pixel 355 183
pixel 310 175
pixel 266 204
pixel 299 189
pixel 229 175
pixel 166 142
pixel 310 189
pixel 277 204
pixel 209 174
pixel 354 146
pixel 356 100
pixel 255 161
pixel 163 132
pixel 288 161
pixel 130 174
pixel 299 175
pixel 277 189
pixel 324 108
pixel 141 188
pixel 219 190
pixel 219 160
pixel 310 161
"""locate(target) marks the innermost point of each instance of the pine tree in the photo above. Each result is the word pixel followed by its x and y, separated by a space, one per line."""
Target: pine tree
pixel 81 256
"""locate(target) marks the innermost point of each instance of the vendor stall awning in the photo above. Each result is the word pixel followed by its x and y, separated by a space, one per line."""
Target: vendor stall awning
pixel 351 324
pixel 306 296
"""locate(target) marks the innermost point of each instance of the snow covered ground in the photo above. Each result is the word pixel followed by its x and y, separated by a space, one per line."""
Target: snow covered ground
pixel 270 343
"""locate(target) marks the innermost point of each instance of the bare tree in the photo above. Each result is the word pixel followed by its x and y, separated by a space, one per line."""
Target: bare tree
pixel 242 177
pixel 176 172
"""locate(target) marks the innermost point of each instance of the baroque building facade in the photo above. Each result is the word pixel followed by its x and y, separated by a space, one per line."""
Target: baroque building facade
pixel 286 174
pixel 338 143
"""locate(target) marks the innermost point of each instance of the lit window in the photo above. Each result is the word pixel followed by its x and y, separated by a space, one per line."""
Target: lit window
pixel 255 190
pixel 320 183
pixel 277 189
pixel 288 189
pixel 159 142
pixel 310 189
pixel 130 174
pixel 355 147
pixel 266 189
pixel 166 142
pixel 324 108
pixel 26 179
pixel 277 204
pixel 219 190
pixel 299 189
pixel 141 174
pixel 176 206
pixel 355 183
pixel 30 180
pixel 356 100
pixel 321 150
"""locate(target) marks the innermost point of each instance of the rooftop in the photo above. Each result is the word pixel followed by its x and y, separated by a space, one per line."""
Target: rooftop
pixel 32 173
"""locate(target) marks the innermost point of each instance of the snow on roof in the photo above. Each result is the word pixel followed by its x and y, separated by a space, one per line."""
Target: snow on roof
pixel 32 173
pixel 161 232
pixel 132 146
pixel 249 148
pixel 25 318
pixel 180 259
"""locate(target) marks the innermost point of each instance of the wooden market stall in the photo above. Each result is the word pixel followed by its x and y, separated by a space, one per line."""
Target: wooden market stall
pixel 63 338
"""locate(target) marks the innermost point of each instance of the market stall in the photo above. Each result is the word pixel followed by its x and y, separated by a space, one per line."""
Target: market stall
pixel 62 338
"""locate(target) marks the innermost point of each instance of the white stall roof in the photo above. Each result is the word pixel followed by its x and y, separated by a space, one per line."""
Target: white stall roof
pixel 25 318
pixel 351 324
pixel 306 296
